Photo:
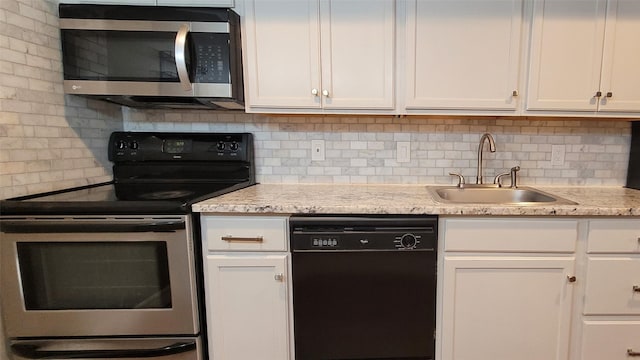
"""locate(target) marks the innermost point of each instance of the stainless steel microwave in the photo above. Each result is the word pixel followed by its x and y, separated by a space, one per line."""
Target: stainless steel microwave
pixel 153 56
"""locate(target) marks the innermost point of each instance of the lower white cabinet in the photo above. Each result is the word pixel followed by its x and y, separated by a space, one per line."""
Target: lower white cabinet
pixel 247 287
pixel 611 340
pixel 248 307
pixel 502 298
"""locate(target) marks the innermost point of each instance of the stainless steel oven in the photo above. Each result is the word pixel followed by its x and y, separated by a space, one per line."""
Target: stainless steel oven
pixel 88 276
pixel 113 270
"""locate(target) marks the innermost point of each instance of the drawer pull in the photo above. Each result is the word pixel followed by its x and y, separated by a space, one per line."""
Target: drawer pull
pixel 230 238
pixel 571 278
pixel 636 288
pixel 278 277
pixel 630 352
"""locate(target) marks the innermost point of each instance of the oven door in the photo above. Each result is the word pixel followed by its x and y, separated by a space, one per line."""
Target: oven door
pixel 89 276
pixel 146 58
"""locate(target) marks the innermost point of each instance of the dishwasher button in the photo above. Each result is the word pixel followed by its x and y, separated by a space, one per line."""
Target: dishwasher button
pixel 408 241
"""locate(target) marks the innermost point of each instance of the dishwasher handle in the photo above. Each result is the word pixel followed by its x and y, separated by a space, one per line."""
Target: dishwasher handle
pixel 32 351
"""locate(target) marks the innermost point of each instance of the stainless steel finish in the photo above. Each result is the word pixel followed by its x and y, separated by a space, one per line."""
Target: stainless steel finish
pixel 278 277
pixel 167 348
pixel 598 94
pixel 134 88
pixel 515 93
pixel 492 148
pixel 636 288
pixel 461 182
pixel 609 94
pixel 632 353
pixel 514 176
pixel 571 278
pixel 498 179
pixel 181 318
pixel 181 61
pixel 231 238
pixel 491 194
pixel 141 25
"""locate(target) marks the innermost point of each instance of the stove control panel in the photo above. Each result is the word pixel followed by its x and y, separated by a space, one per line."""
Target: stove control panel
pixel 127 146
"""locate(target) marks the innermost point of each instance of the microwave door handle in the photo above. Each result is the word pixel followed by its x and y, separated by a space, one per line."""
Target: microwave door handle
pixel 181 60
pixel 32 351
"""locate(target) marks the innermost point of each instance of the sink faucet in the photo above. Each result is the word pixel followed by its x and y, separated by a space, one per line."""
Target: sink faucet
pixel 492 148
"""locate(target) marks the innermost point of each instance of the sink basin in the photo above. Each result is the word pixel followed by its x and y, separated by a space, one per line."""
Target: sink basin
pixel 495 195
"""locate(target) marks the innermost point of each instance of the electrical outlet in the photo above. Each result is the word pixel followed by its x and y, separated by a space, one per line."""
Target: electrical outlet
pixel 557 155
pixel 317 150
pixel 403 151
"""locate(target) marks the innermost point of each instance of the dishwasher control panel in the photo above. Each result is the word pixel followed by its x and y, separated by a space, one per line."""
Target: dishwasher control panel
pixel 354 233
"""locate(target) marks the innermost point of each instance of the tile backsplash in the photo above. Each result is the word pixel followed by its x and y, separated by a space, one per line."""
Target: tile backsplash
pixel 48 141
pixel 363 149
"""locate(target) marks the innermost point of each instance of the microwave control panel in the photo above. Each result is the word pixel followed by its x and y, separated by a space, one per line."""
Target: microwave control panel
pixel 211 58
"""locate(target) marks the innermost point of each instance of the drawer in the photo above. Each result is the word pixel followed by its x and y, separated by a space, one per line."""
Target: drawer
pixel 610 340
pixel 510 235
pixel 245 233
pixel 610 286
pixel 614 236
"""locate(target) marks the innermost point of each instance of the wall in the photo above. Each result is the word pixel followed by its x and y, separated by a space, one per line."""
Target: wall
pixel 48 141
pixel 362 149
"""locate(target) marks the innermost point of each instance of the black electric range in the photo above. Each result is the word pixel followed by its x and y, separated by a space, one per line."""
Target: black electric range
pixel 153 173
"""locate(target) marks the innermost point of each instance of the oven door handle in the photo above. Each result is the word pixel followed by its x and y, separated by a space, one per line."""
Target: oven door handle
pixel 32 351
pixel 94 226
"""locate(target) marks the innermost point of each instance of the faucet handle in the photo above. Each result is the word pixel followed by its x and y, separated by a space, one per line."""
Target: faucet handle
pixel 460 179
pixel 498 179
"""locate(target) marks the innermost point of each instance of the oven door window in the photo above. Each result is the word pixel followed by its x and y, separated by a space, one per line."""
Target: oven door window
pixel 99 55
pixel 94 275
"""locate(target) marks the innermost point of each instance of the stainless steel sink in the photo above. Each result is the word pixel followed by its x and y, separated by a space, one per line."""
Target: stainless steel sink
pixel 495 195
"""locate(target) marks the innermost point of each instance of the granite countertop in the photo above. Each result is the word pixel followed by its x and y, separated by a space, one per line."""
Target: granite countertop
pixel 411 199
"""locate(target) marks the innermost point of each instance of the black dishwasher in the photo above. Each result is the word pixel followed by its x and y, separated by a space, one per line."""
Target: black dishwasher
pixel 364 287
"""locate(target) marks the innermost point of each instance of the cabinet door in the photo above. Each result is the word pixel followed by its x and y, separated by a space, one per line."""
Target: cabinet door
pixel 358 51
pixel 620 68
pixel 505 308
pixel 463 54
pixel 282 53
pixel 208 3
pixel 247 307
pixel 566 54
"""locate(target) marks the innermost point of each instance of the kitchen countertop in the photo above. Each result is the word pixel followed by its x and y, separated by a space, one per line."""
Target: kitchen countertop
pixel 411 199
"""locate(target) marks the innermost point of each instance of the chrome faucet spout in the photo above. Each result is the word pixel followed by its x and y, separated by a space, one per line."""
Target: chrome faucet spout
pixel 492 147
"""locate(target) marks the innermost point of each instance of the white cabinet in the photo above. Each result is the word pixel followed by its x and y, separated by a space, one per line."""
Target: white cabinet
pixel 463 54
pixel 584 56
pixel 248 307
pixel 611 313
pixel 504 300
pixel 205 3
pixel 311 55
pixel 247 287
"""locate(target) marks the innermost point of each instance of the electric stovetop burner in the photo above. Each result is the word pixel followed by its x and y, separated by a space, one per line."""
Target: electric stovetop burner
pixel 154 173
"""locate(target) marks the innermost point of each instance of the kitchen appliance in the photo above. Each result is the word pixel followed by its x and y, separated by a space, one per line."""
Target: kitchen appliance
pixel 153 56
pixel 364 287
pixel 112 270
pixel 633 171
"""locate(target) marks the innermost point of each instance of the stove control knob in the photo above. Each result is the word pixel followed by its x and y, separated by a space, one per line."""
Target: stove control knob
pixel 121 144
pixel 234 146
pixel 134 145
pixel 221 145
pixel 408 241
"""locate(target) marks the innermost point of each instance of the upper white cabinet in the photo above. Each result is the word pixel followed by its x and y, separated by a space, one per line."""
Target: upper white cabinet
pixel 206 3
pixel 584 56
pixel 313 55
pixel 463 54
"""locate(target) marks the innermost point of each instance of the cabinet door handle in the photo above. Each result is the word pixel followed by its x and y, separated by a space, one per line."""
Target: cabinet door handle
pixel 598 94
pixel 314 92
pixel 632 353
pixel 636 288
pixel 230 238
pixel 609 94
pixel 278 277
pixel 515 93
pixel 325 93
pixel 571 278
